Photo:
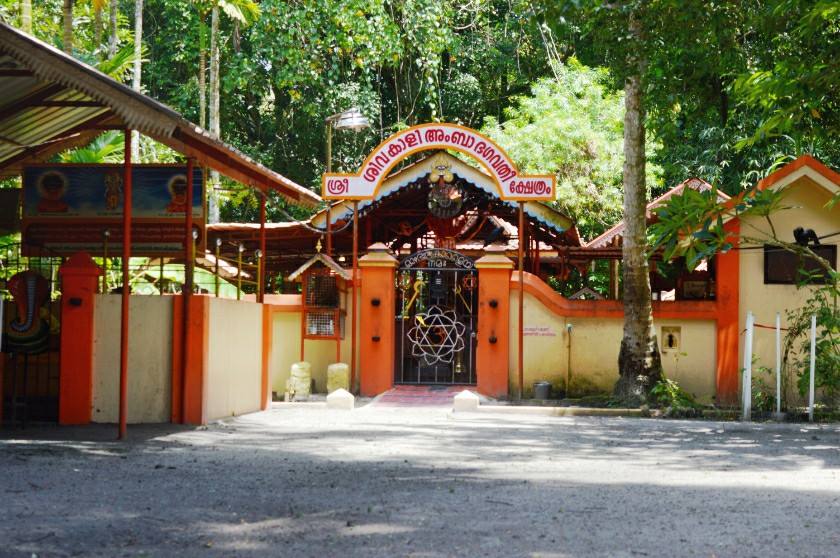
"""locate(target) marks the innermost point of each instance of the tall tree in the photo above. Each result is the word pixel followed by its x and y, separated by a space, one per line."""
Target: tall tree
pixel 67 37
pixel 243 11
pixel 138 67
pixel 98 8
pixel 623 35
pixel 26 15
pixel 113 31
pixel 639 362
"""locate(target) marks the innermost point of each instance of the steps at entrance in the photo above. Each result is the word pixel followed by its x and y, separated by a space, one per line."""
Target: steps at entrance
pixel 419 396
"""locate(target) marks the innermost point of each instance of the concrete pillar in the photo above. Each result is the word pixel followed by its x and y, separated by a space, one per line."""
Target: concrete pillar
pixel 727 297
pixel 376 337
pixel 79 277
pixel 493 343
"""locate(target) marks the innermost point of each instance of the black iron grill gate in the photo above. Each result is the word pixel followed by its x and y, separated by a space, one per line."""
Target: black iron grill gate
pixel 436 316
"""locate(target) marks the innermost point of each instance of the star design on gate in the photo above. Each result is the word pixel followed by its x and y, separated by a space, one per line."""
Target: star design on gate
pixel 437 336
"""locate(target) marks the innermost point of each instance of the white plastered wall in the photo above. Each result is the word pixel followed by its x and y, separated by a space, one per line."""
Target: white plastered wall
pixel 233 382
pixel 149 359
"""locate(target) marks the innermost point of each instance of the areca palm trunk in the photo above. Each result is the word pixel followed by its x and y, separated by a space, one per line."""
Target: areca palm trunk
pixel 113 39
pixel 215 120
pixel 26 15
pixel 202 73
pixel 639 362
pixel 138 67
pixel 68 26
pixel 97 28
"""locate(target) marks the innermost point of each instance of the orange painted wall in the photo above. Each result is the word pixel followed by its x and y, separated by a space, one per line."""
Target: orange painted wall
pixel 79 277
pixel 376 337
pixel 728 293
pixel 724 310
pixel 491 361
pixel 189 409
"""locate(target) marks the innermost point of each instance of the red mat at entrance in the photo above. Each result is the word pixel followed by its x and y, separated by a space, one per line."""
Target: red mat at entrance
pixel 419 396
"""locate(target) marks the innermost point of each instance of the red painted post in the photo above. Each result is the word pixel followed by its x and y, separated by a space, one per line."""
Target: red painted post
pixel 493 347
pixel 188 286
pixel 126 294
pixel 79 279
pixel 521 326
pixel 353 293
pixel 727 284
pixel 264 258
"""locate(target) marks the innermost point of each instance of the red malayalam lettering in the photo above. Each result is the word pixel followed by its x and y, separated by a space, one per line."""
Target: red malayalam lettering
pixel 337 186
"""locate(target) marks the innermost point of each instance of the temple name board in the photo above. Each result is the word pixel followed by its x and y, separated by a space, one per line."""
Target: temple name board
pixel 512 185
pixel 438 258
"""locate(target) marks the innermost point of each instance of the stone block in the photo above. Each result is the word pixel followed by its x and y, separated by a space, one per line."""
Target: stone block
pixel 341 399
pixel 338 377
pixel 465 401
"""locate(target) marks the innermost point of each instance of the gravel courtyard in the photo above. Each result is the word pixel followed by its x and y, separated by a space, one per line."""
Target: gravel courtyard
pixel 306 481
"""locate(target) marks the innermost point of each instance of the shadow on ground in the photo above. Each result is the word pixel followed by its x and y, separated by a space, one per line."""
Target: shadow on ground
pixel 306 482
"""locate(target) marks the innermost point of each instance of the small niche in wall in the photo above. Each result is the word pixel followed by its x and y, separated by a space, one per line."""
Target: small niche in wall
pixel 670 339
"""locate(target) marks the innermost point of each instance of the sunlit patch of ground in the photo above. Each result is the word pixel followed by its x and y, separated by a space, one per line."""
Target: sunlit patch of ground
pixel 306 481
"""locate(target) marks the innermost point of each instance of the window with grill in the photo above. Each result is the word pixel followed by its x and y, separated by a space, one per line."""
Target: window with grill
pixel 323 316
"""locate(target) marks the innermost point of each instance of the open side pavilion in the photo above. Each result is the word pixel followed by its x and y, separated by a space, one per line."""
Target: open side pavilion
pixel 51 102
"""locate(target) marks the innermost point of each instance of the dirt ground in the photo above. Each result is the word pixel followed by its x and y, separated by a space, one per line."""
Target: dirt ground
pixel 306 481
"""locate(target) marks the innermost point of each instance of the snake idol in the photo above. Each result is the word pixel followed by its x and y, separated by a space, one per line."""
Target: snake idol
pixel 28 332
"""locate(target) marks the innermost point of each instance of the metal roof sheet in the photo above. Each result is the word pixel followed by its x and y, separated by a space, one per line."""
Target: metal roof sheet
pixel 49 101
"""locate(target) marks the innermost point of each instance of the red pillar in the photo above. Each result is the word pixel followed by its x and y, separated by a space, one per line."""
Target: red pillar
pixel 493 344
pixel 79 278
pixel 186 294
pixel 126 288
pixel 376 342
pixel 727 297
pixel 353 295
pixel 261 274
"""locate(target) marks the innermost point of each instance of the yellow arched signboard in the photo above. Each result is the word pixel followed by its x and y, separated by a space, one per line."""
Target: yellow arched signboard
pixel 512 185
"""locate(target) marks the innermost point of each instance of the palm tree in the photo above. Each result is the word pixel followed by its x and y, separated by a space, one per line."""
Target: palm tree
pixel 26 15
pixel 98 8
pixel 113 39
pixel 106 148
pixel 244 12
pixel 68 26
pixel 138 65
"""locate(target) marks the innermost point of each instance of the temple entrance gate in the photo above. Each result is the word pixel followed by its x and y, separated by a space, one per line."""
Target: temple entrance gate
pixel 436 317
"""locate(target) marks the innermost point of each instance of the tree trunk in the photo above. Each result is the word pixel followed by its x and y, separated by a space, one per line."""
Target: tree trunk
pixel 68 26
pixel 26 15
pixel 97 30
pixel 202 73
pixel 113 38
pixel 639 362
pixel 215 124
pixel 138 68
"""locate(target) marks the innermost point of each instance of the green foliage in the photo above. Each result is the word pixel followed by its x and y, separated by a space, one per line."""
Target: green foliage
pixel 572 126
pixel 763 396
pixel 106 148
pixel 667 393
pixel 822 302
pixel 798 85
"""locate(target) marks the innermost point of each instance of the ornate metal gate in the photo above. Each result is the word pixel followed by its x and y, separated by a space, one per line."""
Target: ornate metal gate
pixel 437 295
